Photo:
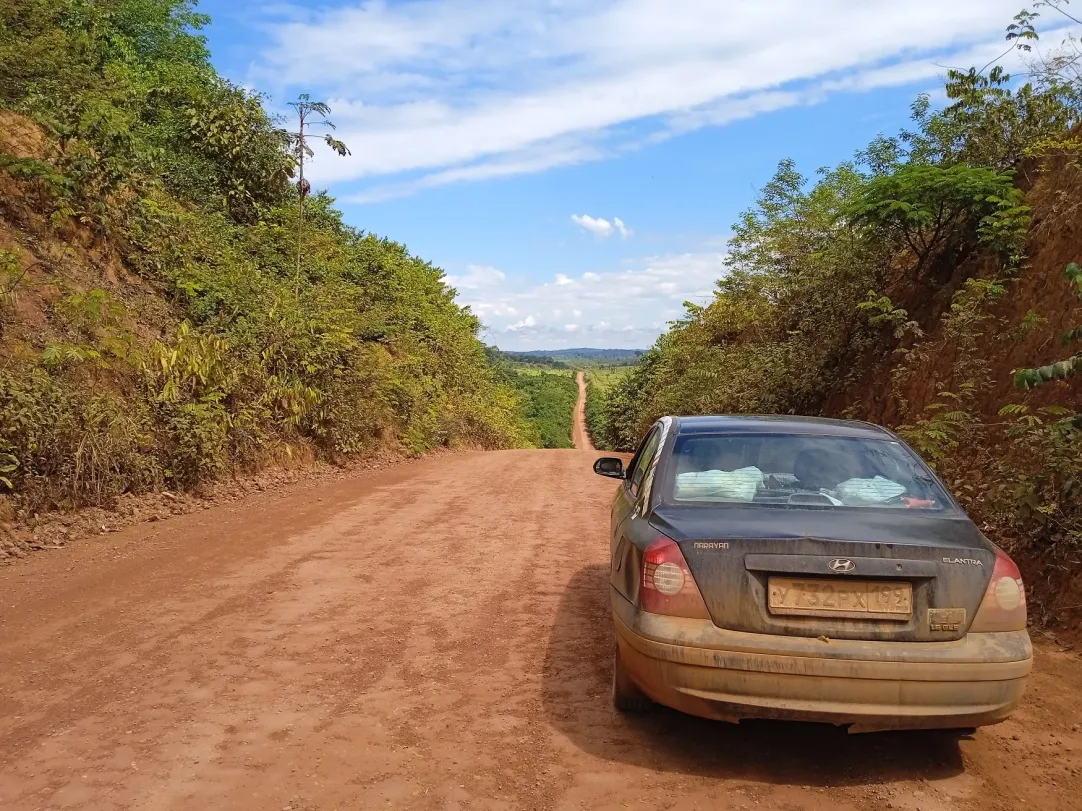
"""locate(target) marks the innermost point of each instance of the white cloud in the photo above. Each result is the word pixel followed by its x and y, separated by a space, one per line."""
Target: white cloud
pixel 476 276
pixel 600 226
pixel 461 90
pixel 526 323
pixel 624 307
pixel 488 309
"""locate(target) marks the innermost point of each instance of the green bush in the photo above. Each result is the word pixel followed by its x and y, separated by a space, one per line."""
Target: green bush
pixel 72 446
pixel 548 404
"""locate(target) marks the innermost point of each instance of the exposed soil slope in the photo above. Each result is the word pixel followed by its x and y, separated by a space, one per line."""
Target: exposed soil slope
pixel 433 636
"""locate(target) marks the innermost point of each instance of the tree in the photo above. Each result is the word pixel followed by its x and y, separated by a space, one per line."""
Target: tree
pixel 309 114
pixel 991 121
pixel 934 211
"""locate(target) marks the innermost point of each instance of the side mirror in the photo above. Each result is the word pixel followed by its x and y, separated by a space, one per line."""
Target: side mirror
pixel 609 466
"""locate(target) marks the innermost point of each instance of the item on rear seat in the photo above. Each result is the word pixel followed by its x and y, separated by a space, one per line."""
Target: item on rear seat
pixel 737 485
pixel 855 492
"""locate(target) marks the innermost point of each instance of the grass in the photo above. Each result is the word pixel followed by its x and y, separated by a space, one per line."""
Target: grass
pixel 603 377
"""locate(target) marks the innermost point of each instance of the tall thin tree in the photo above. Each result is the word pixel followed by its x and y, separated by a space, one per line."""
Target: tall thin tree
pixel 309 114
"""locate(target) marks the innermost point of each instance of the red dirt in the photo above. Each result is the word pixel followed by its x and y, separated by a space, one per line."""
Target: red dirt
pixel 580 437
pixel 432 636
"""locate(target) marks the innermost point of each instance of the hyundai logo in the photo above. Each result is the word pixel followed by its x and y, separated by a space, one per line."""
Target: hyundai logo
pixel 842 565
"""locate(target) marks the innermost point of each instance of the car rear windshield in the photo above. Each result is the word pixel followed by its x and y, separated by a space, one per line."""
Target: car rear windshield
pixel 802 471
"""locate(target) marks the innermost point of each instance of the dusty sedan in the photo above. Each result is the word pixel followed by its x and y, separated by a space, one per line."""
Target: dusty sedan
pixel 805 569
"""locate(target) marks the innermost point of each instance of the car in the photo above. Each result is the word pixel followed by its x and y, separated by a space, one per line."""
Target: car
pixel 806 569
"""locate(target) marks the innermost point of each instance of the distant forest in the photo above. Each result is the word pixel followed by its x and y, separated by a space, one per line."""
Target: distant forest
pixel 573 358
pixel 586 352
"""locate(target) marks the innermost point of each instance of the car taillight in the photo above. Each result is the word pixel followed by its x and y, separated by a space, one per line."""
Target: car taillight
pixel 1004 604
pixel 667 584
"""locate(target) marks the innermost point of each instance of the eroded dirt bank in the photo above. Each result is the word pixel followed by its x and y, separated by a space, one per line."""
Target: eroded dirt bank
pixel 433 636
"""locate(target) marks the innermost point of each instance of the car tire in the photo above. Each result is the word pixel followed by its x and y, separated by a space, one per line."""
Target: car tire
pixel 626 697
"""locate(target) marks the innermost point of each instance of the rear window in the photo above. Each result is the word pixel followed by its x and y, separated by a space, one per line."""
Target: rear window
pixel 801 471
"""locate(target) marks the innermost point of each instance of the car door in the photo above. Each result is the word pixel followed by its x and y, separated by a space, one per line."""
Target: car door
pixel 629 507
pixel 624 501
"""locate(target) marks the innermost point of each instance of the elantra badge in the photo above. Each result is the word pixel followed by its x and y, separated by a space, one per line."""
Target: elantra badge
pixel 842 565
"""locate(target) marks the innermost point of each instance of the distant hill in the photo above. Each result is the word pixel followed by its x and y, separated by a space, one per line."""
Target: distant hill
pixel 586 352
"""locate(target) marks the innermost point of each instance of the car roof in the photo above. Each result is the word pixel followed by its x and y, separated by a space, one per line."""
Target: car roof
pixel 779 424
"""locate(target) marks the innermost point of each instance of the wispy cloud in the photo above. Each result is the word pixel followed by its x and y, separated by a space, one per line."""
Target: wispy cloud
pixel 539 158
pixel 477 277
pixel 434 92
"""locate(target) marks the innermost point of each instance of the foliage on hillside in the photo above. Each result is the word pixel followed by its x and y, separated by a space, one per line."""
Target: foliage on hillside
pixel 153 328
pixel 548 402
pixel 883 290
pixel 599 381
pixel 524 359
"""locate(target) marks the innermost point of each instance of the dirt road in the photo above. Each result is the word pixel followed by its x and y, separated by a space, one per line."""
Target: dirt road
pixel 435 636
pixel 580 437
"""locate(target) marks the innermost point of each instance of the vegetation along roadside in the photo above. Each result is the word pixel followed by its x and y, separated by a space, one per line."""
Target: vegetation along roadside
pixel 547 391
pixel 175 302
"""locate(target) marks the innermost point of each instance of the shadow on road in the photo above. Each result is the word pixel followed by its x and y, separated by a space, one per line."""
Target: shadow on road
pixel 575 695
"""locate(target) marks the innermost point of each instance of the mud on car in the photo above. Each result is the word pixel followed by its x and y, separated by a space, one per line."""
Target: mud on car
pixel 806 569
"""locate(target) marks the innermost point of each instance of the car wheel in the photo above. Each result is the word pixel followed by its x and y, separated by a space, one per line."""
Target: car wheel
pixel 626 697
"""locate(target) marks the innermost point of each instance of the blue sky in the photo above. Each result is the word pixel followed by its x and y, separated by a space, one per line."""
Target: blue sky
pixel 575 165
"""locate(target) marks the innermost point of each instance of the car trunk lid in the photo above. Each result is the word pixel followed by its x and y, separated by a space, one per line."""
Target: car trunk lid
pixel 894 575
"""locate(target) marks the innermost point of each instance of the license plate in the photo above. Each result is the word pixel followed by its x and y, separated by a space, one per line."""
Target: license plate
pixel 855 599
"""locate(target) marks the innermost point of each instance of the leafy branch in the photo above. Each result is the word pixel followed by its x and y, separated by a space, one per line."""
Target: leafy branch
pixel 1062 369
pixel 1019 33
pixel 881 312
pixel 9 463
pixel 946 422
pixel 1057 5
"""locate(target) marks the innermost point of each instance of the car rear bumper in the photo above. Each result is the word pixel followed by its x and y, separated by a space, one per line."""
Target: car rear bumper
pixel 698 668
